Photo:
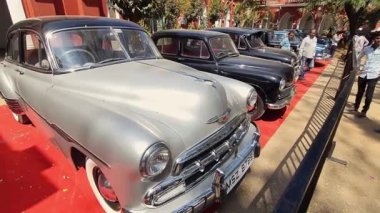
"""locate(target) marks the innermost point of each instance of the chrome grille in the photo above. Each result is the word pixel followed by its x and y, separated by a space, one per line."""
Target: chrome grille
pixel 195 153
pixel 285 92
pixel 193 165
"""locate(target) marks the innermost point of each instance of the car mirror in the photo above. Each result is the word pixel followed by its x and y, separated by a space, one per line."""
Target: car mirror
pixel 45 64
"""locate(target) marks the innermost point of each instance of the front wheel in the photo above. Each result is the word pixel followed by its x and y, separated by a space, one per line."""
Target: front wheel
pixel 22 119
pixel 259 109
pixel 102 188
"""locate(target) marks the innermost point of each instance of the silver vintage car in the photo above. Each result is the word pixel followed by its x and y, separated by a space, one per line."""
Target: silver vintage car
pixel 153 135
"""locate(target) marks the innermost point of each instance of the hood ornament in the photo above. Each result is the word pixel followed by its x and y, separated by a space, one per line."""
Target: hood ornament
pixel 222 118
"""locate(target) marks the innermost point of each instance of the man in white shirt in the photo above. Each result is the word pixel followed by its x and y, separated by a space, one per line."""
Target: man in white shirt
pixel 334 42
pixel 307 51
pixel 369 76
pixel 360 41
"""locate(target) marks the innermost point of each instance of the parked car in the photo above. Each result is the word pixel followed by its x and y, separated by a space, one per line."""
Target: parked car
pixel 152 135
pixel 250 42
pixel 215 52
pixel 323 49
pixel 275 38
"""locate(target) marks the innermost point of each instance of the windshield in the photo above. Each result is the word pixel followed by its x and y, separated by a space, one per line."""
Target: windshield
pixel 223 46
pixel 255 41
pixel 79 49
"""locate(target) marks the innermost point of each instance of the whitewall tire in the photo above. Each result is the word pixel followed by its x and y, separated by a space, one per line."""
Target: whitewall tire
pixel 93 173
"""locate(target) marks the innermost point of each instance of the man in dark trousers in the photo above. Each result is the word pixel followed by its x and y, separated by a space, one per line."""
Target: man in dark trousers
pixel 369 76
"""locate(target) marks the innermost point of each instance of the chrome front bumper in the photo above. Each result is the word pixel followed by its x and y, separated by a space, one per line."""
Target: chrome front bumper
pixel 211 189
pixel 282 102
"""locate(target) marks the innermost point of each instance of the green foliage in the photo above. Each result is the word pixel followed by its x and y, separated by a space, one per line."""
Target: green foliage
pixel 139 9
pixel 217 10
pixel 246 13
pixel 172 12
pixel 192 9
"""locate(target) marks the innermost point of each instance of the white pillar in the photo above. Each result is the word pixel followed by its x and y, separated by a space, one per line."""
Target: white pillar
pixel 16 10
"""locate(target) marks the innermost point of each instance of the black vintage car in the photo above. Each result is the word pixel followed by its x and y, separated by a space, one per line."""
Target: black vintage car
pixel 216 53
pixel 250 42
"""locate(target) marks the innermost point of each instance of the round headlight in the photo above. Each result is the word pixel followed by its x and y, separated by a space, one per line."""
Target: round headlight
pixel 154 160
pixel 282 84
pixel 251 100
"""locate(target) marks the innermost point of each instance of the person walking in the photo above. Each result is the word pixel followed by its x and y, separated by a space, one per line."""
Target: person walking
pixel 360 41
pixel 334 42
pixel 307 52
pixel 368 78
pixel 285 43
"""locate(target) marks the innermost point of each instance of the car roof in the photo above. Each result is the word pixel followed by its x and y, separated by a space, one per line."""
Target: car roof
pixel 47 24
pixel 189 33
pixel 238 30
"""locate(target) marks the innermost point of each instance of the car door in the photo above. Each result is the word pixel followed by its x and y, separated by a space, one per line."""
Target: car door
pixel 10 67
pixel 195 53
pixel 35 72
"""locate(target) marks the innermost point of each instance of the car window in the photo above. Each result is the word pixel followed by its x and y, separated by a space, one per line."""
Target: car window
pixel 223 46
pixel 34 53
pixel 195 48
pixel 242 43
pixel 13 48
pixel 168 46
pixel 255 41
pixel 137 44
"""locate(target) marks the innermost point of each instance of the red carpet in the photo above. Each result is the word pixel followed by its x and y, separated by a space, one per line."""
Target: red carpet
pixel 36 177
pixel 271 120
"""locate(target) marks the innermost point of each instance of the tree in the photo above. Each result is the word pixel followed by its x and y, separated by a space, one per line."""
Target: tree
pixel 217 10
pixel 172 13
pixel 246 13
pixel 357 11
pixel 140 9
pixel 191 9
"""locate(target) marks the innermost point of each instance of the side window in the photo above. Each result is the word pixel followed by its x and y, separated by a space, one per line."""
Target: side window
pixel 235 38
pixel 194 48
pixel 33 51
pixel 242 43
pixel 13 48
pixel 168 46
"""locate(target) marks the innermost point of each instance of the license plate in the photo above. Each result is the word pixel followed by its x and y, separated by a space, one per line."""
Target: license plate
pixel 231 181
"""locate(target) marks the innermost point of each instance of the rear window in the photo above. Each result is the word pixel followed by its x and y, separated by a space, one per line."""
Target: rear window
pixel 168 46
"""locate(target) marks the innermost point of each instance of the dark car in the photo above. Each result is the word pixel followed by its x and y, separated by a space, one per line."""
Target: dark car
pixel 216 53
pixel 275 38
pixel 250 42
pixel 323 49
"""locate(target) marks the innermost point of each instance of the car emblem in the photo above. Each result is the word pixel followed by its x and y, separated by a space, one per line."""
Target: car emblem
pixel 222 118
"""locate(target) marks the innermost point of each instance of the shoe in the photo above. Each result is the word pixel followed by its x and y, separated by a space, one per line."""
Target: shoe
pixel 352 109
pixel 377 130
pixel 361 115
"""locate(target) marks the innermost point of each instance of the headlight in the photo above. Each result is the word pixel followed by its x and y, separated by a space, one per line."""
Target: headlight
pixel 154 160
pixel 282 84
pixel 251 100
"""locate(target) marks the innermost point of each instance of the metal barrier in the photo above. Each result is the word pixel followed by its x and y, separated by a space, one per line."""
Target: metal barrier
pixel 297 195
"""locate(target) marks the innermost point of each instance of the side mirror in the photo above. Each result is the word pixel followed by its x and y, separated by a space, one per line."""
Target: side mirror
pixel 45 64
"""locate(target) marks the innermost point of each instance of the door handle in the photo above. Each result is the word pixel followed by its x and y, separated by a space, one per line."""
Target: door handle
pixel 181 59
pixel 20 72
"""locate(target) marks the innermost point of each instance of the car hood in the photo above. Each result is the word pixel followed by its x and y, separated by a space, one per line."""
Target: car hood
pixel 261 65
pixel 162 91
pixel 278 54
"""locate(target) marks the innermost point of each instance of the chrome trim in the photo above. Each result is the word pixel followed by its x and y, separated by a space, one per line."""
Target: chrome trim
pixel 206 144
pixel 222 118
pixel 147 154
pixel 281 103
pixel 217 155
pixel 216 192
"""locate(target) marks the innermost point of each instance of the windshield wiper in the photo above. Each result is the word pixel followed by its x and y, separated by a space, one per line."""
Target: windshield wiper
pixel 221 54
pixel 110 60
